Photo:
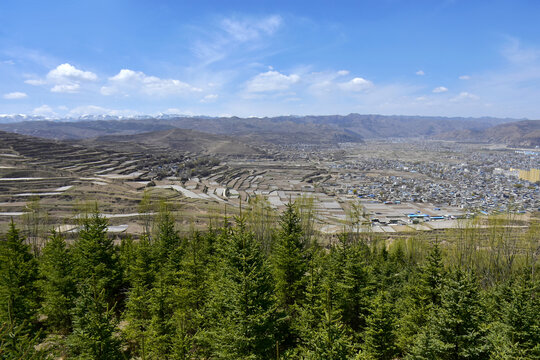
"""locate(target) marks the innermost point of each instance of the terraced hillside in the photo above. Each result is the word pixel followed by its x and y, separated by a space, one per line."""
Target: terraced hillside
pixel 61 175
pixel 49 182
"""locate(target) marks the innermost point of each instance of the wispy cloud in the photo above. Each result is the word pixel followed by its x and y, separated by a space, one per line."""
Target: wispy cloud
pixel 66 88
pixel 232 33
pixel 26 55
pixel 420 73
pixel 246 30
pixel 328 82
pixel 271 81
pixel 440 89
pixel 15 95
pixel 98 110
pixel 44 110
pixel 464 96
pixel 515 52
pixel 35 82
pixel 209 98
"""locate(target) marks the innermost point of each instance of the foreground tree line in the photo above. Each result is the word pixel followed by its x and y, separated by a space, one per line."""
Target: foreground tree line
pixel 223 294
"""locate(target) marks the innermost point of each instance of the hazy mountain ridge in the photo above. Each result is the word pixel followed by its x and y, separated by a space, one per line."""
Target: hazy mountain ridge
pixel 519 134
pixel 328 129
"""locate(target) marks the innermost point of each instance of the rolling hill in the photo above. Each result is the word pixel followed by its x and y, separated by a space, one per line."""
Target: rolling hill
pixel 517 134
pixel 177 140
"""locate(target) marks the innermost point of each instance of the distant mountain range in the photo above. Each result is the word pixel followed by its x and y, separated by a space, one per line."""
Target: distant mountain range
pixel 518 134
pixel 283 130
pixel 13 118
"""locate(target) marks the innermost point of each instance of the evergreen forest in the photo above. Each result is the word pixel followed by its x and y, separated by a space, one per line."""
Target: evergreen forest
pixel 251 287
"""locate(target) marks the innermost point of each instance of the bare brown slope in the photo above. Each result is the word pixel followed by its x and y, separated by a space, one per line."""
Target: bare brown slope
pixel 188 141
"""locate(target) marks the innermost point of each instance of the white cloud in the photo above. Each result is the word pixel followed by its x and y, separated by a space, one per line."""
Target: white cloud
pixel 420 73
pixel 247 30
pixel 44 110
pixel 35 82
pixel 65 78
pixel 98 110
pixel 440 89
pixel 464 77
pixel 15 95
pixel 209 98
pixel 66 88
pixel 325 82
pixel 177 111
pixel 356 84
pixel 129 82
pixel 271 81
pixel 67 72
pixel 465 96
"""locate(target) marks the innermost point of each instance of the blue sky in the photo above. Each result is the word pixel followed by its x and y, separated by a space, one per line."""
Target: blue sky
pixel 267 58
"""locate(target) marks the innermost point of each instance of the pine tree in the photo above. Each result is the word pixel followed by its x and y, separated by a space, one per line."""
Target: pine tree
pixel 242 304
pixel 167 257
pixel 137 319
pixel 355 287
pixel 127 253
pixel 311 311
pixel 57 284
pixel 426 347
pixel 379 337
pixel 142 264
pixel 161 302
pixel 18 274
pixel 95 257
pixel 320 325
pixel 289 259
pixel 168 241
pixel 458 324
pixel 520 328
pixel 140 277
pixel 422 296
pixel 190 293
pixel 94 325
pixel 329 340
pixel 16 343
pixel 432 275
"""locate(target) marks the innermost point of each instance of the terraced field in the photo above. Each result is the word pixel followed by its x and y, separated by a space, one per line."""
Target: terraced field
pixel 45 183
pixel 63 175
